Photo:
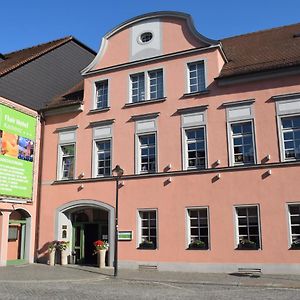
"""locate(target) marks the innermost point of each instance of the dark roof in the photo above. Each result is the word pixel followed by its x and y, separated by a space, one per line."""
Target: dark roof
pixel 262 51
pixel 16 59
pixel 72 96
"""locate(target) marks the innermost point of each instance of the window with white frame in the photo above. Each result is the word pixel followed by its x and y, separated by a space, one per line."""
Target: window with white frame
pixel 195 148
pixel 67 159
pixel 198 228
pixel 193 124
pixel 102 148
pixel 248 227
pixel 103 156
pixel 147 229
pixel 146 143
pixel 242 143
pixel 290 128
pixel 196 77
pixel 101 94
pixel 294 222
pixel 147 86
pixel 288 120
pixel 147 153
pixel 66 153
pixel 241 135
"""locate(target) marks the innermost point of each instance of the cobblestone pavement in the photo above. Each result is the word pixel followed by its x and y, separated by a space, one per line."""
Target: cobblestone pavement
pixel 43 282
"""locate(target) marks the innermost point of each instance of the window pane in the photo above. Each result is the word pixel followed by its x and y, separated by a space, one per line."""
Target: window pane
pixel 196 77
pixel 147 153
pixel 248 227
pixel 103 156
pixel 198 225
pixel 243 149
pixel 102 94
pixel 291 137
pixel 148 229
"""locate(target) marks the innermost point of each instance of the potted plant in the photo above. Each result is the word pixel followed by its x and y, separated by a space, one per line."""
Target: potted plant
pixel 63 246
pixel 246 244
pixel 101 248
pixel 197 244
pixel 146 244
pixel 295 244
pixel 52 251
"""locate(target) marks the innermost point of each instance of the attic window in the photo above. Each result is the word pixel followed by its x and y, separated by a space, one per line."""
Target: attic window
pixel 296 35
pixel 145 37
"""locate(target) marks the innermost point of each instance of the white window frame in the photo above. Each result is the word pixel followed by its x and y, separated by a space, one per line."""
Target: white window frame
pixel 185 148
pixel 231 143
pixel 139 157
pixel 146 85
pixel 95 160
pixel 95 93
pixel 188 224
pixel 60 161
pixel 188 86
pixel 286 106
pixel 102 131
pixel 237 223
pixel 281 138
pixel 66 136
pixel 290 235
pixel 139 226
pixel 145 125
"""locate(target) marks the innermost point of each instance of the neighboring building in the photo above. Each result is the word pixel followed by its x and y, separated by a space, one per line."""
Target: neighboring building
pixel 29 78
pixel 208 135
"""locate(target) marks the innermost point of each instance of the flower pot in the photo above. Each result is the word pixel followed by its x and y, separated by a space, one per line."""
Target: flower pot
pixel 146 246
pixel 52 257
pixel 64 257
pixel 247 247
pixel 101 258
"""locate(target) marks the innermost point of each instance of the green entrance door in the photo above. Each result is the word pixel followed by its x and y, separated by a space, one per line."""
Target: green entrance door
pixel 84 235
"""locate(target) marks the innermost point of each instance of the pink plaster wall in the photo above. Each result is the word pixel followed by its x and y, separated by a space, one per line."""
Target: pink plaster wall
pixel 234 187
pixel 117 46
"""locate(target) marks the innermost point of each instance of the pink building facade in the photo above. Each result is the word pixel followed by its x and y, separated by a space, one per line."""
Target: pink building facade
pixel 210 159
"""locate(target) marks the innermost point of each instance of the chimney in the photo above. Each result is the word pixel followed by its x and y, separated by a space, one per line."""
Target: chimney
pixel 1 57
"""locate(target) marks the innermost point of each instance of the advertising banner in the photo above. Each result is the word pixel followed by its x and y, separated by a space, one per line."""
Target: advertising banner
pixel 17 139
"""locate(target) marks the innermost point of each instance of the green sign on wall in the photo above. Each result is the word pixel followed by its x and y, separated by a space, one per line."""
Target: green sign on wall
pixel 17 139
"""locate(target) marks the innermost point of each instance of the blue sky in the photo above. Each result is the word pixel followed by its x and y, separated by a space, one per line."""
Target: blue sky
pixel 31 22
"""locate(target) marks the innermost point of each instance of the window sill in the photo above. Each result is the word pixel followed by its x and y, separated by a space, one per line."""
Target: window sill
pixel 145 102
pixel 65 179
pixel 99 110
pixel 189 95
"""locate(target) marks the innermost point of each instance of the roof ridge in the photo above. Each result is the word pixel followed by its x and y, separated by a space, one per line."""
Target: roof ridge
pixel 259 31
pixel 64 39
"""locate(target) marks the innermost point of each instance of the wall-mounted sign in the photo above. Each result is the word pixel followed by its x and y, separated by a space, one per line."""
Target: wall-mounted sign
pixel 125 236
pixel 17 139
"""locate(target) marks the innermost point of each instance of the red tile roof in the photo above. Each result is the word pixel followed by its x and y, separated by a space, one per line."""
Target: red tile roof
pixel 72 96
pixel 262 51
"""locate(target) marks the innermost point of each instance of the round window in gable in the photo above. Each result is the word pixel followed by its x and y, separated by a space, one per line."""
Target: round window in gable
pixel 145 37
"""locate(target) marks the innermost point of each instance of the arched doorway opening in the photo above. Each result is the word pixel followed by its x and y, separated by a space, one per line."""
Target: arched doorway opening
pixel 82 222
pixel 88 225
pixel 18 237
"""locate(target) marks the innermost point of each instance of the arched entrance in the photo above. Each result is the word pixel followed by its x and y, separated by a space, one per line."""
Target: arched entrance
pixel 18 237
pixel 81 223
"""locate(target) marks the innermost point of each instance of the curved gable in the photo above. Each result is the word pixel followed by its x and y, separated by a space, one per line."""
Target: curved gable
pixel 168 32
